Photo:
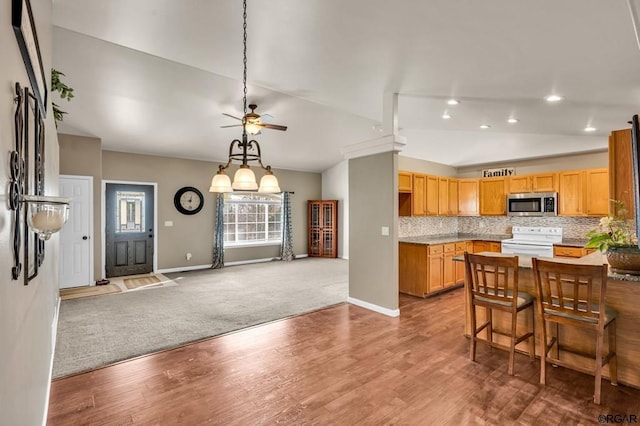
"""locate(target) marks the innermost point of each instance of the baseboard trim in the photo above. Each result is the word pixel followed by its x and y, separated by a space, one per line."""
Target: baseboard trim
pixel 385 311
pixel 183 268
pixel 237 262
pixel 54 339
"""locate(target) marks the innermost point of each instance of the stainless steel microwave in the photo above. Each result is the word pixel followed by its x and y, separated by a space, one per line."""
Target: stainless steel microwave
pixel 533 204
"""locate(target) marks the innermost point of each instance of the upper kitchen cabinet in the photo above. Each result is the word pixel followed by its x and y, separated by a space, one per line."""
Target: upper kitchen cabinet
pixel 584 192
pixel 405 187
pixel 447 196
pixel 405 181
pixel 621 170
pixel 571 193
pixel 432 198
pixel 596 192
pixel 419 195
pixel 541 182
pixel 493 199
pixel 468 197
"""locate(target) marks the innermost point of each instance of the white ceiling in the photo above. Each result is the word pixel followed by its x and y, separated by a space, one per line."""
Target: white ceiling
pixel 155 76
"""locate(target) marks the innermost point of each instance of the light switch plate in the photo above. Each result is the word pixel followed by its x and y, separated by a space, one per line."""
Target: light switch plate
pixel 385 231
pixel 168 223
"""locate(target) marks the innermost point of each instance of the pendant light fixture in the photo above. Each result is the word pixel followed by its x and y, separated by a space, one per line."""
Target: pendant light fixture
pixel 245 150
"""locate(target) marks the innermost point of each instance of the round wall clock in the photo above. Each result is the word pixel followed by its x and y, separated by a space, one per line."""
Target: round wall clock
pixel 188 200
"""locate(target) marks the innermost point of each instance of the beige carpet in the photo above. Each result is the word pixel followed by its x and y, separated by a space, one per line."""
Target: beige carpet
pixel 132 283
pixel 98 290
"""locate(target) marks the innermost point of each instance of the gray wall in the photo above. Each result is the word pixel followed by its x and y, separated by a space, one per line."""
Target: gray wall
pixel 82 156
pixel 335 186
pixel 541 165
pixel 27 313
pixel 194 234
pixel 373 258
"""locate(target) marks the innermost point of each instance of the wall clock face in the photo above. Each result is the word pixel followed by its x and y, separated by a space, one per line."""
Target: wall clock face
pixel 188 200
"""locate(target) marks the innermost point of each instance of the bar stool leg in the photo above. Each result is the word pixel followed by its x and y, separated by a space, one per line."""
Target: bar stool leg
pixel 472 343
pixel 543 352
pixel 557 349
pixel 490 328
pixel 532 342
pixel 613 362
pixel 512 346
pixel 598 374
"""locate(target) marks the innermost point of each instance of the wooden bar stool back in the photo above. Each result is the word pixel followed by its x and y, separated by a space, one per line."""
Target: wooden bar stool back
pixel 492 283
pixel 574 295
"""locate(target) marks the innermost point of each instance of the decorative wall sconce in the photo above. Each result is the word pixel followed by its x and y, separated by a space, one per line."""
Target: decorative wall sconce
pixel 44 215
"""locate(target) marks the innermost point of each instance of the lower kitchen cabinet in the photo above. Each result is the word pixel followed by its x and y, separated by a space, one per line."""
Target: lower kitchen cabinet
pixel 492 246
pixel 570 251
pixel 426 269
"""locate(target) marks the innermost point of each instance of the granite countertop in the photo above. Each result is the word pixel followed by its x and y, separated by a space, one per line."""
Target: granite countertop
pixel 572 242
pixel 595 258
pixel 452 238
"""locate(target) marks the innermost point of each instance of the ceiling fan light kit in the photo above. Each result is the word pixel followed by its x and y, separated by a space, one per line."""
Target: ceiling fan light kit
pixel 246 150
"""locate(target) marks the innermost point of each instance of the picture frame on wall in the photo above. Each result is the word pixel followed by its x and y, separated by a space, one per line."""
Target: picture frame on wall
pixel 25 30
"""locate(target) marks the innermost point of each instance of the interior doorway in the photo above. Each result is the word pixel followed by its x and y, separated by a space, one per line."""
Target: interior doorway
pixel 130 225
pixel 76 238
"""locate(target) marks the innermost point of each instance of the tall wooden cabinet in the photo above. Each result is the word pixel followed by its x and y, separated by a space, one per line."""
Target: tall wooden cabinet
pixel 621 170
pixel 323 228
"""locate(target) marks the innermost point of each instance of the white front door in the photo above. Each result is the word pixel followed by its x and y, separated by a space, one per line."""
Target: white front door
pixel 76 246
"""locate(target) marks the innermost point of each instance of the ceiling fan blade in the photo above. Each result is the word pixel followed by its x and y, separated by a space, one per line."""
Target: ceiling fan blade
pixel 232 125
pixel 229 115
pixel 273 126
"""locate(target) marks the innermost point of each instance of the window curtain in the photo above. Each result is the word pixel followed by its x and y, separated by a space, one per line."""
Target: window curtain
pixel 218 234
pixel 286 249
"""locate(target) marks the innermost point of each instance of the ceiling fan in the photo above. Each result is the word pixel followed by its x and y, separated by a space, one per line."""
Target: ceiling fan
pixel 253 122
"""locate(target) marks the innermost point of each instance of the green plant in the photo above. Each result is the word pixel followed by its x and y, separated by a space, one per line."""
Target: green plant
pixel 614 231
pixel 65 91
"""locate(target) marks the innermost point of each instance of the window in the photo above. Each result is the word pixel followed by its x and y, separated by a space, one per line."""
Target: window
pixel 252 219
pixel 130 212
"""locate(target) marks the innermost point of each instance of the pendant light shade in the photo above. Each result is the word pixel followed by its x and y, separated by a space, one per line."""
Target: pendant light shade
pixel 220 183
pixel 244 179
pixel 269 184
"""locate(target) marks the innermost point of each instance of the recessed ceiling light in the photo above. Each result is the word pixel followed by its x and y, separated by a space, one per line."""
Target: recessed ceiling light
pixel 484 126
pixel 446 116
pixel 512 120
pixel 553 98
pixel 453 102
pixel 590 129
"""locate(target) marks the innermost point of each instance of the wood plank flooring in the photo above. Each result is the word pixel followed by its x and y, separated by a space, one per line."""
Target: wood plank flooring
pixel 340 366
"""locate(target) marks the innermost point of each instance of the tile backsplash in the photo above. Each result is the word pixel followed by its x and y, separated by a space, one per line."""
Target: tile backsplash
pixel 573 227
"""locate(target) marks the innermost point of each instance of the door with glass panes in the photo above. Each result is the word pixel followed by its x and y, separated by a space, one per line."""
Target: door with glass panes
pixel 323 228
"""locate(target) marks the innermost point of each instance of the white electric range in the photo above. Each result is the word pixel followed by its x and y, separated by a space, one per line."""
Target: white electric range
pixel 532 241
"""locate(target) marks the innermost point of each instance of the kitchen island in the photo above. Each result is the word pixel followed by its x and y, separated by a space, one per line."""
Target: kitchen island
pixel 623 294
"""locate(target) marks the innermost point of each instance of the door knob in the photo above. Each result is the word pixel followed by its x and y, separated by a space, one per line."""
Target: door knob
pixel 84 237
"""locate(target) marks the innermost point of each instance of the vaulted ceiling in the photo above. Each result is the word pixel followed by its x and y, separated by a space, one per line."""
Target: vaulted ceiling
pixel 155 76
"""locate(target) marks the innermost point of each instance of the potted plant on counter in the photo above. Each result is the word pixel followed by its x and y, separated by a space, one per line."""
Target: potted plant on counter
pixel 617 238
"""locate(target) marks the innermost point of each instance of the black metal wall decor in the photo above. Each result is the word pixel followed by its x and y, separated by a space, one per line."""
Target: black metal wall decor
pixel 27 156
pixel 25 29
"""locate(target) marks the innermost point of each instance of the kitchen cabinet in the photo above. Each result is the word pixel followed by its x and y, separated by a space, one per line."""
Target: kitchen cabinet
pixel 596 192
pixel 468 197
pixel 492 246
pixel 323 228
pixel 621 171
pixel 540 182
pixel 426 269
pixel 435 268
pixel 571 193
pixel 493 196
pixel 584 192
pixel 418 194
pixel 447 196
pixel 570 251
pixel 405 181
pixel 461 247
pixel 412 264
pixel 432 198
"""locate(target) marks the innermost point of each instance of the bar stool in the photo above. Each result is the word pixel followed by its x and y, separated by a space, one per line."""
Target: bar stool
pixel 492 282
pixel 575 295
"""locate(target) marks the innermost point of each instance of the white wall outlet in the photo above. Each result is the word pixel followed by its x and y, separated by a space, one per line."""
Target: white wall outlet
pixel 385 231
pixel 168 223
pixel 188 256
